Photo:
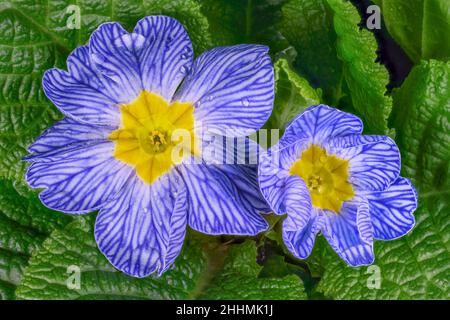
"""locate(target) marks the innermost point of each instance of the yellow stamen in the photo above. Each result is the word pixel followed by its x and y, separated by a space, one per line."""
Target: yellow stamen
pixel 144 139
pixel 326 177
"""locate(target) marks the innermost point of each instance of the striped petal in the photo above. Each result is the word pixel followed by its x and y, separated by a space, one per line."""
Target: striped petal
pixel 79 100
pixel 217 149
pixel 274 171
pixel 116 66
pixel 237 158
pixel 80 179
pixel 246 182
pixel 301 224
pixel 167 54
pixel 392 210
pixel 67 132
pixel 272 181
pixel 142 229
pixel 298 204
pixel 217 204
pixel 319 123
pixel 349 233
pixel 232 89
pixel 373 165
pixel 301 242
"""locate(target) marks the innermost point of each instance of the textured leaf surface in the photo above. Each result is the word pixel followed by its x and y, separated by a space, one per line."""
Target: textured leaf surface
pixel 308 27
pixel 24 224
pixel 47 274
pixel 239 279
pixel 56 18
pixel 293 94
pixel 335 54
pixel 244 21
pixel 416 266
pixel 422 28
pixel 25 53
pixel 366 79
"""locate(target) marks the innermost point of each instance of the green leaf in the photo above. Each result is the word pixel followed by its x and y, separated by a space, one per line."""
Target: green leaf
pixel 308 27
pixel 24 110
pixel 49 271
pixel 422 28
pixel 201 270
pixel 333 53
pixel 239 279
pixel 366 79
pixel 293 94
pixel 24 224
pixel 51 17
pixel 416 266
pixel 244 21
pixel 421 118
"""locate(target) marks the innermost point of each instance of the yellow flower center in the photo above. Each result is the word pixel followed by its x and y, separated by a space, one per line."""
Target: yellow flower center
pixel 154 135
pixel 326 177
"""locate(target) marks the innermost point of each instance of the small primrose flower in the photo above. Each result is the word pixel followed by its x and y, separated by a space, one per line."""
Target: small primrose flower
pixel 329 178
pixel 125 96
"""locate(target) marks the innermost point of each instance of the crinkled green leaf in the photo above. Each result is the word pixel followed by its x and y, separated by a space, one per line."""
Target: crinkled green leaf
pixel 422 28
pixel 293 94
pixel 50 269
pixel 335 54
pixel 244 21
pixel 25 53
pixel 308 27
pixel 55 18
pixel 366 79
pixel 239 279
pixel 24 224
pixel 416 266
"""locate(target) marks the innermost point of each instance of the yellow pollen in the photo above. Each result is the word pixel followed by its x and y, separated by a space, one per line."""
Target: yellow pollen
pixel 145 137
pixel 326 177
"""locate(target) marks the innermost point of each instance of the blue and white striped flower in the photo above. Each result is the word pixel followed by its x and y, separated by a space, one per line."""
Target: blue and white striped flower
pixel 329 178
pixel 124 95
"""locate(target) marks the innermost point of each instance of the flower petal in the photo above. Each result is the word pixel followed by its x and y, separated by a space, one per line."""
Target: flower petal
pixel 116 66
pixel 80 179
pixel 272 181
pixel 246 182
pixel 142 229
pixel 319 123
pixel 67 132
pixel 301 242
pixel 348 233
pixel 216 202
pixel 300 226
pixel 273 171
pixel 232 88
pixel 167 54
pixel 298 204
pixel 373 166
pixel 79 100
pixel 392 210
pixel 240 156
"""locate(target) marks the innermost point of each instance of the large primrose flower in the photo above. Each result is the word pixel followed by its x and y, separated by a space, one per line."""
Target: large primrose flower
pixel 125 95
pixel 329 178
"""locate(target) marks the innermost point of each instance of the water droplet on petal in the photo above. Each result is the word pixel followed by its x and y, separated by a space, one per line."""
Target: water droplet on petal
pixel 245 102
